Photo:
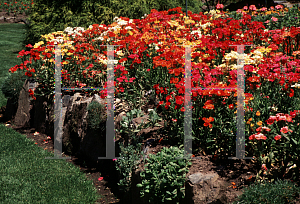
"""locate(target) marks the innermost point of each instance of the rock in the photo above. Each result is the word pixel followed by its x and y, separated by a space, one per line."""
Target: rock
pixel 25 108
pixel 205 188
pixel 40 114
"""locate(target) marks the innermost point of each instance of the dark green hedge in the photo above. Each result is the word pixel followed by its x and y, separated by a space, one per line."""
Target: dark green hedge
pixel 49 16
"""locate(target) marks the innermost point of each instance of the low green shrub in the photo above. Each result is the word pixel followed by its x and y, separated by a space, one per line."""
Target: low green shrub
pixel 266 192
pixel 128 162
pixel 165 175
pixel 12 85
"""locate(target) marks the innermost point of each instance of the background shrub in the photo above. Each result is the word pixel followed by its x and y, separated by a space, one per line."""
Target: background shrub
pixel 50 16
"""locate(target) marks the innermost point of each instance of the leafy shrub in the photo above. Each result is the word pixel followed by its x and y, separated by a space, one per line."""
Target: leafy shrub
pixel 12 85
pixel 51 16
pixel 278 192
pixel 96 115
pixel 165 175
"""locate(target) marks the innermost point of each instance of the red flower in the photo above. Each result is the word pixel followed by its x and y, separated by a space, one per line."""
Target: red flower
pixel 231 106
pixel 277 137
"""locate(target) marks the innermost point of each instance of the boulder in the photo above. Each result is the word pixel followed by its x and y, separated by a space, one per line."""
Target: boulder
pixel 205 188
pixel 25 109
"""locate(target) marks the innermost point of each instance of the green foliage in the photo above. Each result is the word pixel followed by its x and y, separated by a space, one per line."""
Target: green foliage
pixel 50 16
pixel 165 175
pixel 128 161
pixel 278 192
pixel 12 85
pixel 96 114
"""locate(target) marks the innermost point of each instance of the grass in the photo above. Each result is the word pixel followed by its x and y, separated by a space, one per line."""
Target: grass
pixel 25 175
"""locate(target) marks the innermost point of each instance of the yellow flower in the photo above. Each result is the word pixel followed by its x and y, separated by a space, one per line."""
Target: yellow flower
pixel 251 125
pixel 259 123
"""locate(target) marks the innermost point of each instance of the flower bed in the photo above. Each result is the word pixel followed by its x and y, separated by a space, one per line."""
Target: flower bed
pixel 150 56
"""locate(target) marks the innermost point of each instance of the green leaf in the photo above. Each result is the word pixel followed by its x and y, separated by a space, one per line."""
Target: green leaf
pixel 294 141
pixel 139 185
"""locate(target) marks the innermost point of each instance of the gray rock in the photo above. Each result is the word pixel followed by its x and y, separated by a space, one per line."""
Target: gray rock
pixel 205 188
pixel 24 111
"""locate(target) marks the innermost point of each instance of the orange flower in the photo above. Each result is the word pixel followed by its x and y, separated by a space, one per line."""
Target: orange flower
pixel 257 113
pixel 259 123
pixel 209 106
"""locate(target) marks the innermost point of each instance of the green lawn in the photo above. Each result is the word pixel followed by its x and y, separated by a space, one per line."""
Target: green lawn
pixel 25 175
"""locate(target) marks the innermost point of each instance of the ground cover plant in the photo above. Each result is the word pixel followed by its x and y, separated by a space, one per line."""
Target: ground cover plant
pixel 149 58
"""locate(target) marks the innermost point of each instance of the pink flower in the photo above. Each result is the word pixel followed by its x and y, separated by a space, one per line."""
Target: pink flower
pixel 220 6
pixel 100 178
pixel 266 129
pixel 285 129
pixel 114 159
pixel 279 7
pixel 260 136
pixel 245 8
pixel 277 137
pixel 239 11
pixel 263 9
pixel 132 56
pixel 264 167
pixel 252 8
pixel 274 19
pixel 267 21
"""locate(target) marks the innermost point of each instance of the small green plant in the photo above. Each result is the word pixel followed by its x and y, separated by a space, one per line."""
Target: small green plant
pixel 266 192
pixel 96 115
pixel 127 162
pixel 12 85
pixel 127 125
pixel 165 175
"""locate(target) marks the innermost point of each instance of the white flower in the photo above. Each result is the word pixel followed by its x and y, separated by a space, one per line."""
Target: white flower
pixel 296 86
pixel 128 28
